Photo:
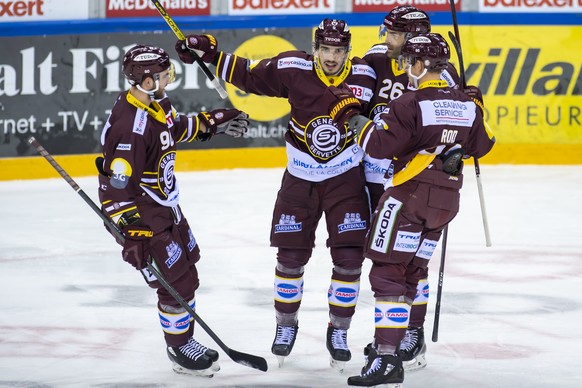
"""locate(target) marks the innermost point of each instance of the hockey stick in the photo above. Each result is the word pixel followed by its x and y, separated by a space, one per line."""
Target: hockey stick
pixel 242 358
pixel 456 39
pixel 199 61
pixel 437 308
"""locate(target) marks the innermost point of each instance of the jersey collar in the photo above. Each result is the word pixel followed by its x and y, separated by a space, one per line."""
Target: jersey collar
pixel 334 80
pixel 157 113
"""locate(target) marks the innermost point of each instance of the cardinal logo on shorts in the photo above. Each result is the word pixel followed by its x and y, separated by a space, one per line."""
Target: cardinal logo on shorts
pixel 352 221
pixel 287 224
pixel 174 252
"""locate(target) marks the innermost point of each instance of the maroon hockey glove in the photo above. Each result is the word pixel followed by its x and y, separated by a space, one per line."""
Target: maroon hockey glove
pixel 136 248
pixel 342 103
pixel 205 46
pixel 231 122
pixel 476 95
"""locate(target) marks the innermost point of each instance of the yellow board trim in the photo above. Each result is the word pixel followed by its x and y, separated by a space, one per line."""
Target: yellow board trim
pixel 36 167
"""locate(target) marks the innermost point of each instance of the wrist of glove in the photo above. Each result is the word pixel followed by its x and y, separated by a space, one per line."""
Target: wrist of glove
pixel 136 247
pixel 476 95
pixel 203 46
pixel 342 104
pixel 359 124
pixel 231 122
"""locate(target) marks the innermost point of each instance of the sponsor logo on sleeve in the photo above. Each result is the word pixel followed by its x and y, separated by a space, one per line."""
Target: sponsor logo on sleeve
pixel 123 147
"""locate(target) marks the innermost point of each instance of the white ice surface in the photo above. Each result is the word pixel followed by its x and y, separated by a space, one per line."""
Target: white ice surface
pixel 73 314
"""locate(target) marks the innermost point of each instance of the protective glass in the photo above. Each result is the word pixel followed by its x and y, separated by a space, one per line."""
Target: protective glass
pixel 404 62
pixel 382 31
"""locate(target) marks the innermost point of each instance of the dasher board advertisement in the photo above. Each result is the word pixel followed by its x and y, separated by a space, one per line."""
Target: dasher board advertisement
pixel 43 10
pixel 60 89
pixel 531 6
pixel 276 7
pixel 143 8
pixel 386 5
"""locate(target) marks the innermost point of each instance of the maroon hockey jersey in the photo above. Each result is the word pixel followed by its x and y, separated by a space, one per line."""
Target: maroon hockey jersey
pixel 391 83
pixel 317 148
pixel 139 148
pixel 428 122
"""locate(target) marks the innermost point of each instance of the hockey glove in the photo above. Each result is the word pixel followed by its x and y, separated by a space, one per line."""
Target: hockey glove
pixel 359 124
pixel 342 103
pixel 476 95
pixel 231 122
pixel 205 46
pixel 136 248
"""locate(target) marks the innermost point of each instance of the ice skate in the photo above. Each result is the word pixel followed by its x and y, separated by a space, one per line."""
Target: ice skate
pixel 337 345
pixel 379 371
pixel 412 349
pixel 194 359
pixel 283 342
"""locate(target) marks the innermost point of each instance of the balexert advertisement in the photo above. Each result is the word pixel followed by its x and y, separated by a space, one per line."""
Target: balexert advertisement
pixel 41 10
pixel 506 6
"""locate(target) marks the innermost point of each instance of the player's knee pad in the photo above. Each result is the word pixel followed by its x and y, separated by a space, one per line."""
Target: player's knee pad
pixel 293 258
pixel 388 279
pixel 175 320
pixel 186 285
pixel 347 257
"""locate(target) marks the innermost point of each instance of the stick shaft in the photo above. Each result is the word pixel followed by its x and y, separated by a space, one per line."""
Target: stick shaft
pixel 456 39
pixel 198 60
pixel 437 310
pixel 239 357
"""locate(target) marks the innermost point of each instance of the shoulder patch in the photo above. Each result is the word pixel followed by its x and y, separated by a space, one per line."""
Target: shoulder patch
pixel 363 70
pixel 294 62
pixel 446 76
pixel 123 147
pixel 377 49
pixel 140 121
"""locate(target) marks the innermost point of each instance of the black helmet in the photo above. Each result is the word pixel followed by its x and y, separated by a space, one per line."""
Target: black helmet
pixel 333 32
pixel 431 48
pixel 144 61
pixel 406 18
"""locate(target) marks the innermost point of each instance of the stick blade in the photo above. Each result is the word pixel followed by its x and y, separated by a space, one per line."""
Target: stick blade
pixel 249 360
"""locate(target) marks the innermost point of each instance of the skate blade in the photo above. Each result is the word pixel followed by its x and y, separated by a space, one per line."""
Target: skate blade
pixel 415 364
pixel 385 385
pixel 338 365
pixel 209 372
pixel 280 360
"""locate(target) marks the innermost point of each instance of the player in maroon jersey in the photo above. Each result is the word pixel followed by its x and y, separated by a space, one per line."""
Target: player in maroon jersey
pixel 425 134
pixel 399 25
pixel 139 192
pixel 323 175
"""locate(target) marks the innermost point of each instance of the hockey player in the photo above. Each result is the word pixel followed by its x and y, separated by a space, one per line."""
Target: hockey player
pixel 323 175
pixel 425 134
pixel 400 24
pixel 139 192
